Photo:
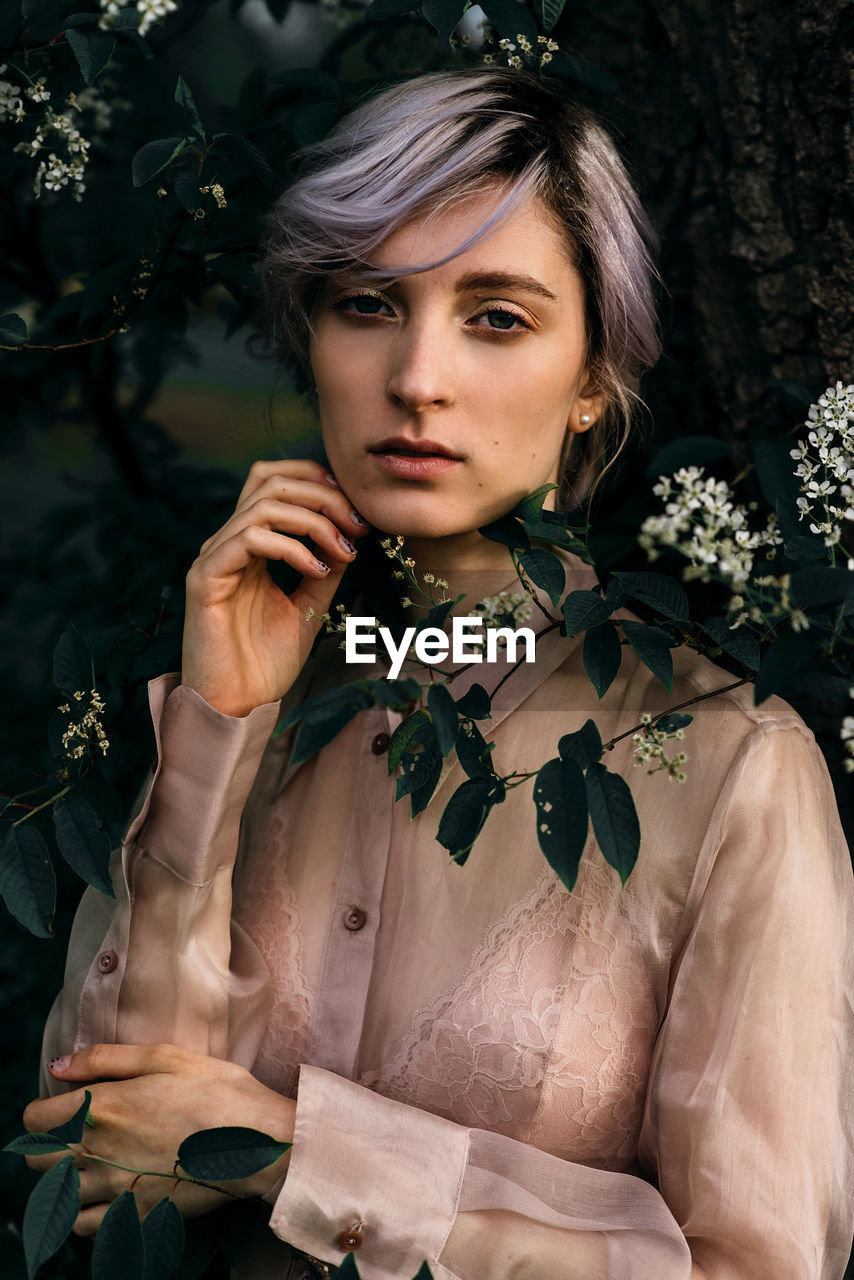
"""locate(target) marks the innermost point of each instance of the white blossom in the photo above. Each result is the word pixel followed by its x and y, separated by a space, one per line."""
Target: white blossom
pixel 825 464
pixel 150 11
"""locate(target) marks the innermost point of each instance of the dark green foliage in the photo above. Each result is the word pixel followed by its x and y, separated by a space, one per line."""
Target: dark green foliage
pixel 652 646
pixel 118 1247
pixel 73 1129
pixel 83 842
pixel 739 643
pixel 670 723
pixel 660 592
pixel 602 654
pixel 27 879
pixel 692 451
pixel 475 703
pixel 163 1240
pixel 35 1144
pixel 228 1152
pixel 614 818
pixel 12 329
pixel 92 52
pixel 584 746
pixel 73 671
pixel 560 799
pixel 583 610
pixel 790 654
pixel 443 709
pixel 473 751
pixel 466 812
pixel 543 568
pixel 50 1214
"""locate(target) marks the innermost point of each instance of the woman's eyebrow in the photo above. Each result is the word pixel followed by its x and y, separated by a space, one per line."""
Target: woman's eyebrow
pixel 502 280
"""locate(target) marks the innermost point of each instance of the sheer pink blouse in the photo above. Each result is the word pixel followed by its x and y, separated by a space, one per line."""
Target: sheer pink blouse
pixel 491 1073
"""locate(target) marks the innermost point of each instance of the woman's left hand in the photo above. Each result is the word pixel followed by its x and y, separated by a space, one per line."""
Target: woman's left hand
pixel 145 1101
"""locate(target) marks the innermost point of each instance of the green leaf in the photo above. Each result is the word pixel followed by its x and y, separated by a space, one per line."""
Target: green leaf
pixel 389 9
pixel 34 1144
pixel 787 656
pixel 50 1214
pixel 465 813
pixel 652 646
pixel 185 100
pixel 313 735
pixel 72 1130
pixel 557 534
pixel 584 746
pixel 437 614
pixel 688 451
pixel 602 654
pixel 118 1248
pixel 560 799
pixel 444 16
pixel 13 328
pixel 614 818
pixel 31 9
pixel 662 593
pixel 443 710
pixel 92 52
pixel 186 186
pixel 72 663
pixel 507 531
pixel 673 721
pixel 27 880
pixel 805 547
pixel 812 587
pixel 227 1153
pixel 83 842
pixel 475 703
pixel 163 1237
pixel 546 571
pixel 548 12
pixel 775 470
pixel 314 122
pixel 531 506
pixel 511 19
pixel 473 750
pixel 396 694
pixel 403 736
pixel 153 157
pixel 320 706
pixel 420 770
pixel 423 1273
pixel 740 643
pixel 584 609
pixel 431 772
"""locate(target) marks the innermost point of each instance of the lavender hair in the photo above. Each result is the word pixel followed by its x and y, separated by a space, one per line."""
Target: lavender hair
pixel 421 147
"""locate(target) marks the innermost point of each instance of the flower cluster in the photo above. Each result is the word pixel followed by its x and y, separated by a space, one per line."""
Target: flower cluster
pixel 650 742
pixel 406 572
pixel 56 132
pixel 84 726
pixel 703 522
pixel 826 464
pixel 507 609
pixel 150 11
pixel 522 53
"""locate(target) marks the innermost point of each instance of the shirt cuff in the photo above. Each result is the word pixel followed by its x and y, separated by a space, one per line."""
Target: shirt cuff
pixel 206 765
pixel 388 1173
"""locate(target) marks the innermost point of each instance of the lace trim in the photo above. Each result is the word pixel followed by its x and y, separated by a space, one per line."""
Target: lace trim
pixel 268 909
pixel 549 1036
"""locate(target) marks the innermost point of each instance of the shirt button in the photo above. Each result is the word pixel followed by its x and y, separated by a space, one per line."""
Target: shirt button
pixel 354 918
pixel 380 744
pixel 349 1240
pixel 107 961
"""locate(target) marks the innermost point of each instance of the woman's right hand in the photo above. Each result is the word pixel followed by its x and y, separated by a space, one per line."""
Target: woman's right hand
pixel 245 640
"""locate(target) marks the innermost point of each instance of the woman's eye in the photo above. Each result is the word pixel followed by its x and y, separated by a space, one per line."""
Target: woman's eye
pixel 498 318
pixel 363 304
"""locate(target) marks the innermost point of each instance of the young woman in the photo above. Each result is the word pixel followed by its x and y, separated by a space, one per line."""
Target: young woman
pixel 476 1067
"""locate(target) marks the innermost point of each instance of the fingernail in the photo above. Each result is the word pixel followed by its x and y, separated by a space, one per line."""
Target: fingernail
pixel 60 1064
pixel 318 564
pixel 357 519
pixel 348 546
pixel 330 479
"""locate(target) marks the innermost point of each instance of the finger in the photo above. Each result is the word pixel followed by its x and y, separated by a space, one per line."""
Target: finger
pixel 46 1113
pixel 115 1062
pixel 310 493
pixel 286 517
pixel 89 1219
pixel 298 468
pixel 41 1164
pixel 245 548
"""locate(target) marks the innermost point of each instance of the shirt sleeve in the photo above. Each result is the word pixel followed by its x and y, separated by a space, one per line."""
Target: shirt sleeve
pixel 747 1127
pixel 163 963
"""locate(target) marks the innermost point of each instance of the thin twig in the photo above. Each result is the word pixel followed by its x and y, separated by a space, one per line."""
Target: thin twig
pixel 701 697
pixel 44 805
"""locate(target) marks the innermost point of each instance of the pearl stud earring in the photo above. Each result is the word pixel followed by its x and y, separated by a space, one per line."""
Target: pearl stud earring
pixel 584 419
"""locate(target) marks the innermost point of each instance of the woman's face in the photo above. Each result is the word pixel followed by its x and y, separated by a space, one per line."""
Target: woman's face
pixel 446 396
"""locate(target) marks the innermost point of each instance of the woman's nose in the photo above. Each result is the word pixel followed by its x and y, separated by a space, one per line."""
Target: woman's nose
pixel 421 372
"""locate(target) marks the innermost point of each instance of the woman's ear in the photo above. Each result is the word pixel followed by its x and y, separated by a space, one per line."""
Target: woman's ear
pixel 587 408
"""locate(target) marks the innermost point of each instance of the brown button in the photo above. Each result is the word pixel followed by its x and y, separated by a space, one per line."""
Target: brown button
pixel 380 744
pixel 107 961
pixel 354 918
pixel 349 1240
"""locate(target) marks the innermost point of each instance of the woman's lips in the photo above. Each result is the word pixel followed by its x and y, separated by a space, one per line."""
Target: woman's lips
pixel 414 460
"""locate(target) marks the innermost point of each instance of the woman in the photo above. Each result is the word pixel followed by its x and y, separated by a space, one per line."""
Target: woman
pixel 476 1068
